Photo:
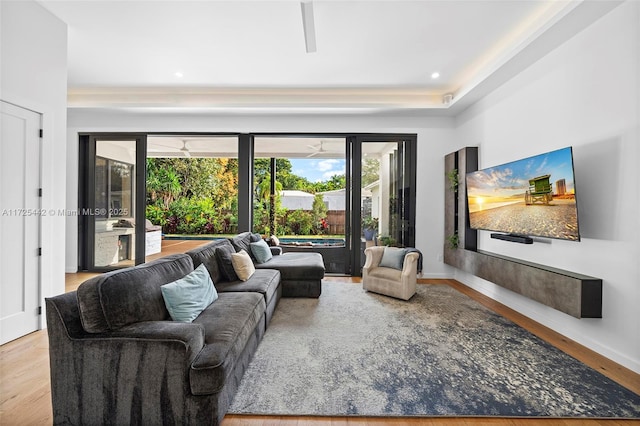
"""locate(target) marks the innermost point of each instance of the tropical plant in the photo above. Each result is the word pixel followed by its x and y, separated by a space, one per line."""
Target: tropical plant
pixel 370 171
pixel 370 223
pixel 388 241
pixel 163 183
pixel 300 222
pixel 319 212
pixel 453 240
pixel 453 177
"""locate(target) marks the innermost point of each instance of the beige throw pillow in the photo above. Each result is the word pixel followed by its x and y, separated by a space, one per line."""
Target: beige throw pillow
pixel 243 265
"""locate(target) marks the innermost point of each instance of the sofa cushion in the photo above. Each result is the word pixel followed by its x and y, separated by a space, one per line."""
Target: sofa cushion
pixel 207 254
pixel 243 265
pixel 242 241
pixel 296 266
pixel 229 323
pixel 223 255
pixel 112 300
pixel 187 297
pixel 261 251
pixel 263 281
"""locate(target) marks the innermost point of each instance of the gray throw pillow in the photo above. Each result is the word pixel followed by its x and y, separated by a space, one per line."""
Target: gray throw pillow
pixel 261 251
pixel 393 257
pixel 243 242
pixel 223 255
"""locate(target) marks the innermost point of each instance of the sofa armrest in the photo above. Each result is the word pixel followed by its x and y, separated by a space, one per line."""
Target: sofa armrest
pixel 94 375
pixel 276 251
pixel 189 334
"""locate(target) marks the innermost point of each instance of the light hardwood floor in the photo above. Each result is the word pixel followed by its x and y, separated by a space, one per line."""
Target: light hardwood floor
pixel 25 397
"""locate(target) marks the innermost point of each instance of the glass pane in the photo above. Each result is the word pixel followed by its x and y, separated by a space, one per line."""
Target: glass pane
pixel 305 208
pixel 383 193
pixel 114 192
pixel 192 191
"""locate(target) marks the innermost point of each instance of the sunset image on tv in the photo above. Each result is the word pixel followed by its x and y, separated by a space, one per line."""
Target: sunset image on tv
pixel 534 196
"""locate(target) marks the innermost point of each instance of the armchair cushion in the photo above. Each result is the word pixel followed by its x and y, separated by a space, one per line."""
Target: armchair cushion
pixel 393 257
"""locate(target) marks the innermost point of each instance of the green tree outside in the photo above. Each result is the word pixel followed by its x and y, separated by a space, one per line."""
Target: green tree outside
pixel 199 196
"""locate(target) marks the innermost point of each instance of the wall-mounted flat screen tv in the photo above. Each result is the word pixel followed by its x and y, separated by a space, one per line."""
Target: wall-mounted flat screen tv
pixel 535 197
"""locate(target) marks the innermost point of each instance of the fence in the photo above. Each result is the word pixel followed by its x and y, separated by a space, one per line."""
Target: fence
pixel 335 220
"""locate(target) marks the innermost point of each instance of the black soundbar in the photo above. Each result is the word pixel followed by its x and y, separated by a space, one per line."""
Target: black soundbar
pixel 522 239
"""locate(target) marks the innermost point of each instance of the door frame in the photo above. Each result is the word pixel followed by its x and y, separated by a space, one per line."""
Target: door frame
pixel 407 148
pixel 353 158
pixel 38 213
pixel 86 199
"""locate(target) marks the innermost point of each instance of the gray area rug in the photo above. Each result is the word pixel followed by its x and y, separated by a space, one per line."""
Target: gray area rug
pixel 351 352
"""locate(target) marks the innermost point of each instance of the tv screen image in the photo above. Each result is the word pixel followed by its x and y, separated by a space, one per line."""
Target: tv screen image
pixel 534 196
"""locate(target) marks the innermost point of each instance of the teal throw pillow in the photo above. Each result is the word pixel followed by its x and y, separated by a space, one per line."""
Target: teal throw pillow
pixel 187 297
pixel 393 257
pixel 261 251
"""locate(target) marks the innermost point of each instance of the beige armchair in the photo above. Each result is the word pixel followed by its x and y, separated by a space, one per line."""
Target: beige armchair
pixel 392 282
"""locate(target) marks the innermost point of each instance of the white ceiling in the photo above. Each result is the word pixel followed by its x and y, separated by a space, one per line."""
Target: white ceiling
pixel 249 56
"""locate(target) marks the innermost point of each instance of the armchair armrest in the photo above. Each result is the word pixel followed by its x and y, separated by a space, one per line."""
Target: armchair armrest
pixel 410 265
pixel 373 257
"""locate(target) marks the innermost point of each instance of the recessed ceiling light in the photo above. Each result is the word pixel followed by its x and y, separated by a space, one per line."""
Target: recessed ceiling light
pixel 178 74
pixel 435 75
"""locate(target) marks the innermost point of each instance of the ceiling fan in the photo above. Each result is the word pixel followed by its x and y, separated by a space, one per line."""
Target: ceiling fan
pixel 319 149
pixel 161 148
pixel 185 149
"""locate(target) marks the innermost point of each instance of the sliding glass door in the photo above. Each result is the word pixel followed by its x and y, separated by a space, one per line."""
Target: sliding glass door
pixel 299 195
pixel 383 199
pixel 335 194
pixel 111 213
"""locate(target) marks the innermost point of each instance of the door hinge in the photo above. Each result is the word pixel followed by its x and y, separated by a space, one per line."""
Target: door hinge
pixel 39 192
pixel 41 132
pixel 39 310
pixel 39 251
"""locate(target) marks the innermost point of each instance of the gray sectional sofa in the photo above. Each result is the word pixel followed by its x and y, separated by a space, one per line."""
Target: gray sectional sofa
pixel 117 357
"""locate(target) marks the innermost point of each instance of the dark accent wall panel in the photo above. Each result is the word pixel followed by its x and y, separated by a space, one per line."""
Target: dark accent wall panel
pixel 574 294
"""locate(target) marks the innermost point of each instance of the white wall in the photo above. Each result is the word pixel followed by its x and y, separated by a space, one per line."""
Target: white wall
pixel 34 76
pixel 434 141
pixel 584 94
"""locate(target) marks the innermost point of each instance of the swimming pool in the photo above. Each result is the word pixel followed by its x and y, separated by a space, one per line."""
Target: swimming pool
pixel 290 240
pixel 313 241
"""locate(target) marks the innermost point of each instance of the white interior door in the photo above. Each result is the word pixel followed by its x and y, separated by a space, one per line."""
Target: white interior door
pixel 19 222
